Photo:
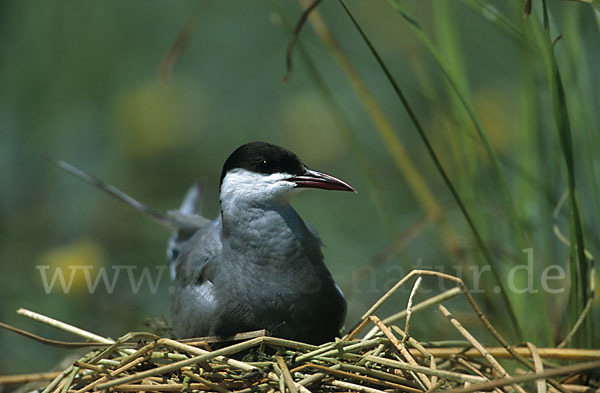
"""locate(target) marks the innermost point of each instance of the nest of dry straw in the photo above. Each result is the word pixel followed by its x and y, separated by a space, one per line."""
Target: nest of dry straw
pixel 386 358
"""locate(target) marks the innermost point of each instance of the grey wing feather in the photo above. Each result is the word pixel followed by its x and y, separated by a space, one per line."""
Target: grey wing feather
pixel 194 300
pixel 187 218
pixel 115 192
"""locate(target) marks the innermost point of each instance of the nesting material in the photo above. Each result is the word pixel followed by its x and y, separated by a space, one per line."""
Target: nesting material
pixel 384 359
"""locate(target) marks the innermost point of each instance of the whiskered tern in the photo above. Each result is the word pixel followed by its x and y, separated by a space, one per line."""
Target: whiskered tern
pixel 257 265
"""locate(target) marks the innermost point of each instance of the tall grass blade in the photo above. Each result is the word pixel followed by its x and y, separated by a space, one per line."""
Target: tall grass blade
pixel 462 96
pixel 479 239
pixel 578 264
pixel 374 189
pixel 500 21
pixel 455 81
pixel 386 132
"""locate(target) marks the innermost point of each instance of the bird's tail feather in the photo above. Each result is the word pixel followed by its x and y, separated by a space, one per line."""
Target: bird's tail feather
pixel 193 199
pixel 190 213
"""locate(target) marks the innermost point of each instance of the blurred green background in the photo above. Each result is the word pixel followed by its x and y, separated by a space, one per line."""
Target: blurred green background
pixel 79 81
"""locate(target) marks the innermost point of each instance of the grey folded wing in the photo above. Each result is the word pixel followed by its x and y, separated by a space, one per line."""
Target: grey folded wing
pixel 194 300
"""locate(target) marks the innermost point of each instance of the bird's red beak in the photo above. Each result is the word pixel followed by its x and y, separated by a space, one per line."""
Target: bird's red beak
pixel 314 179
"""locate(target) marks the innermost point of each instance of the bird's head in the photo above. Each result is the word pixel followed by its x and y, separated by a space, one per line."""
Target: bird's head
pixel 262 173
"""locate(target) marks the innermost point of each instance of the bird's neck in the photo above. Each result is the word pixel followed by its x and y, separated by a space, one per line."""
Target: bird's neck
pixel 269 228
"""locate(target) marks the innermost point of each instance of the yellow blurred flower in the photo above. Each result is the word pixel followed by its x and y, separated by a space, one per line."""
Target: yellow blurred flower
pixel 70 261
pixel 152 118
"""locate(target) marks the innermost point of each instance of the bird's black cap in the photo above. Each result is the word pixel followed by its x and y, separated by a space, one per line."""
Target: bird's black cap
pixel 265 158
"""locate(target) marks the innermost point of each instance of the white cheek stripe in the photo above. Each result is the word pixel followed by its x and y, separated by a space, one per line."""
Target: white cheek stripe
pixel 243 184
